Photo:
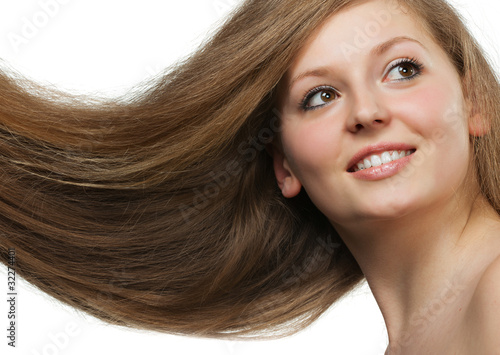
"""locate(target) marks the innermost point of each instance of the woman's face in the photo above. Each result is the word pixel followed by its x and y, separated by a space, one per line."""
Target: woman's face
pixel 374 121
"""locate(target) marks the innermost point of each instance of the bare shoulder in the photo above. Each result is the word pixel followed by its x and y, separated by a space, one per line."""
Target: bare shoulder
pixel 484 311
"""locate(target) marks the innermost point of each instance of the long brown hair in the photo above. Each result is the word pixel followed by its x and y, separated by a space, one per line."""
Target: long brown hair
pixel 159 209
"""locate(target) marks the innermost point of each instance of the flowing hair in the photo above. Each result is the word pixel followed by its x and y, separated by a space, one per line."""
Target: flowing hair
pixel 159 209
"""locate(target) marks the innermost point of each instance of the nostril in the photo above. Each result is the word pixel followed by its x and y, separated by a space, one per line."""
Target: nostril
pixel 359 127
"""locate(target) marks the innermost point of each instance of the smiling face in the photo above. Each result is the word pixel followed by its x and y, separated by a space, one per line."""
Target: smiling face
pixel 374 123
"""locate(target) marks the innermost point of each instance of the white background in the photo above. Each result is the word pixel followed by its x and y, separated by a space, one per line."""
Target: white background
pixel 106 46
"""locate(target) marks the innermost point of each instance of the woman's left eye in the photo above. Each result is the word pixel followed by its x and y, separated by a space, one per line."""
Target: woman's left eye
pixel 405 69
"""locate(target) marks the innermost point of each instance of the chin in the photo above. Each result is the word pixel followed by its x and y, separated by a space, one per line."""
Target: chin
pixel 388 210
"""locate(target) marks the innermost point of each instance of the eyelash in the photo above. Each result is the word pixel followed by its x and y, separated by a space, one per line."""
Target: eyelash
pixel 308 95
pixel 414 62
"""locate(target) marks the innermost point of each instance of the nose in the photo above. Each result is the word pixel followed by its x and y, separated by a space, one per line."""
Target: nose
pixel 368 111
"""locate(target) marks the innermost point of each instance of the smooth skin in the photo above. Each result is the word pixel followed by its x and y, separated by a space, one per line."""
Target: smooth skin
pixel 425 238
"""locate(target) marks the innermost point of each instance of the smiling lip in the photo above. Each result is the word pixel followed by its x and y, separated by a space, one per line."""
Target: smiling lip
pixel 384 170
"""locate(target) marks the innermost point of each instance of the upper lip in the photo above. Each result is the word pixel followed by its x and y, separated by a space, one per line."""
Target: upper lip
pixel 376 149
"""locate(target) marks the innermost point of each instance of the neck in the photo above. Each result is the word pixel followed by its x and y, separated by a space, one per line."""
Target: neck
pixel 417 261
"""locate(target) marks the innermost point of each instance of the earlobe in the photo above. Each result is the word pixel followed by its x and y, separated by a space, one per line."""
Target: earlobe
pixel 477 126
pixel 288 183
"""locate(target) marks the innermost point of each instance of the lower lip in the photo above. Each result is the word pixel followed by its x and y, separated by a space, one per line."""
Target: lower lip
pixel 383 171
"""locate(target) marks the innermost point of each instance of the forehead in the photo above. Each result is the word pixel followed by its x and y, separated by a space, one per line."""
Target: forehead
pixel 356 30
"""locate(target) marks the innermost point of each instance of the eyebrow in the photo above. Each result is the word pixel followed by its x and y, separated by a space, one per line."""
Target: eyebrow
pixel 376 51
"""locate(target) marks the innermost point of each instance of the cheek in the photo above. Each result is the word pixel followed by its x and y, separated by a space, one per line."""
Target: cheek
pixel 436 114
pixel 312 147
pixel 433 110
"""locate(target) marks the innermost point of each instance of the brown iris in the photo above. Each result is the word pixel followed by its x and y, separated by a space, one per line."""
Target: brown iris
pixel 327 96
pixel 406 70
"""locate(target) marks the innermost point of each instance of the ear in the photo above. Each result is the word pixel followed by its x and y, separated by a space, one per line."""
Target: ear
pixel 288 183
pixel 478 127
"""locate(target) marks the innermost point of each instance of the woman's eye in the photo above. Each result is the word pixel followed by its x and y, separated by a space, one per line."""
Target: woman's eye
pixel 404 70
pixel 319 98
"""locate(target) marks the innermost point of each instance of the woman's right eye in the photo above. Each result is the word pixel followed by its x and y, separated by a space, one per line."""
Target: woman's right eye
pixel 318 97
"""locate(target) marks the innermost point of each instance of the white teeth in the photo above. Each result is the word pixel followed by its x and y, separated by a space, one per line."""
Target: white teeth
pixel 384 158
pixel 375 160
